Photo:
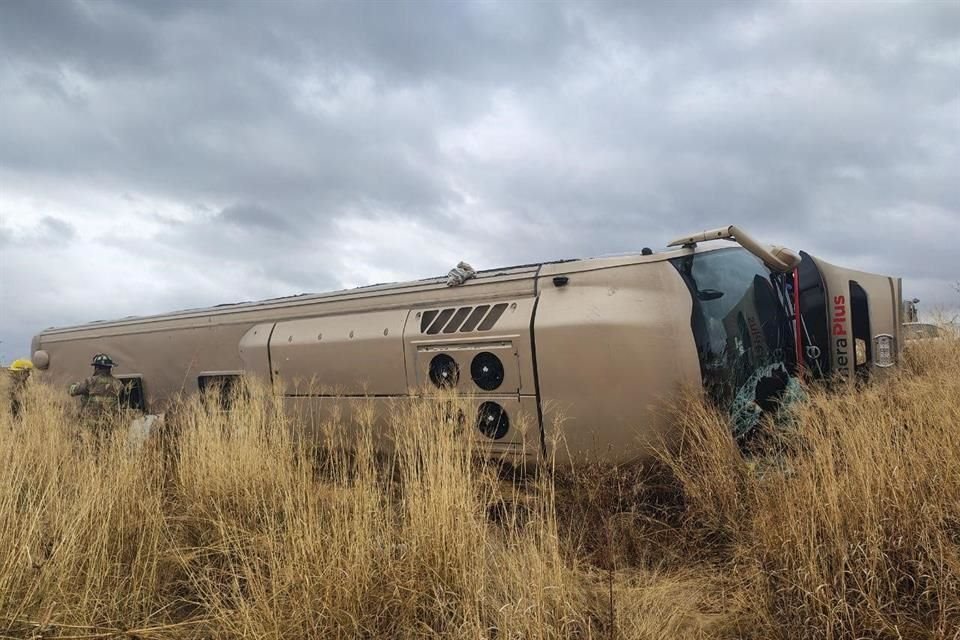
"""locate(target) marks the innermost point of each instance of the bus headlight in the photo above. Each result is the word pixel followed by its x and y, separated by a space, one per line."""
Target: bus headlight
pixel 861 351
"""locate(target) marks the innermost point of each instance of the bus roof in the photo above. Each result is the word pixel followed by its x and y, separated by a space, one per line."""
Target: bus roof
pixel 483 277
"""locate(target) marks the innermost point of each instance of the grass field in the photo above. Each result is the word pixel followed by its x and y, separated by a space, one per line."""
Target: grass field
pixel 844 525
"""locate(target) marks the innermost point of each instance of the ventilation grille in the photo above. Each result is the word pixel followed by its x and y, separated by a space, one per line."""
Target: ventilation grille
pixel 461 319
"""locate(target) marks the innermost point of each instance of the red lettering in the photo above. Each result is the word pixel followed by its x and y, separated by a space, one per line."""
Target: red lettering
pixel 839 315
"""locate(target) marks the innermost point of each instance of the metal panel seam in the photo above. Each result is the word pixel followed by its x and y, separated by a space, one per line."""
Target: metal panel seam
pixel 533 357
pixel 270 353
pixel 403 350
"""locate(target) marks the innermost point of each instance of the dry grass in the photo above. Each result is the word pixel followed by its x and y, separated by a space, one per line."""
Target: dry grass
pixel 847 525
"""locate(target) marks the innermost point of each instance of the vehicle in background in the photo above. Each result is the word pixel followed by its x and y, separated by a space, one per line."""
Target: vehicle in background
pixel 921 331
pixel 914 329
pixel 574 360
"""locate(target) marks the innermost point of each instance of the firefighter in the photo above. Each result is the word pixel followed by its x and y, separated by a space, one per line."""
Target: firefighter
pixel 99 395
pixel 20 371
pixel 910 310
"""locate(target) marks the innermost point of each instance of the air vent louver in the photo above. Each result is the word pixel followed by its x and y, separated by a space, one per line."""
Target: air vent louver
pixel 442 318
pixel 475 318
pixel 461 319
pixel 457 319
pixel 426 319
pixel 492 317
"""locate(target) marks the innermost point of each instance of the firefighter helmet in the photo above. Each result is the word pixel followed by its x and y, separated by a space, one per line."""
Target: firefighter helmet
pixel 103 360
pixel 21 364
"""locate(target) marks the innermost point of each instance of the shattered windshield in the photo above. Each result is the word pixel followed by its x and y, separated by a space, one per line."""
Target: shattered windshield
pixel 743 332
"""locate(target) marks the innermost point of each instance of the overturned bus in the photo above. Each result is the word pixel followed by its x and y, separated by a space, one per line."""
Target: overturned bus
pixel 586 353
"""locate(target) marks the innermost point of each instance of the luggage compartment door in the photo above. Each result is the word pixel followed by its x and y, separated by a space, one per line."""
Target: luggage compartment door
pixel 359 354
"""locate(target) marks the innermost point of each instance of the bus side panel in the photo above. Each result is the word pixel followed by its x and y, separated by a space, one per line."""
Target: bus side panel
pixel 353 354
pixel 255 351
pixel 168 361
pixel 323 420
pixel 467 342
pixel 512 327
pixel 615 350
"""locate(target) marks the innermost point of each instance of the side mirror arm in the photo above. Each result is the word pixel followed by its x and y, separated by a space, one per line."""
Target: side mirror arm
pixel 776 257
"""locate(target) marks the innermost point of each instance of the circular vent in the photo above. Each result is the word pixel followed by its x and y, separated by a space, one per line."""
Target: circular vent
pixel 487 371
pixel 492 420
pixel 444 371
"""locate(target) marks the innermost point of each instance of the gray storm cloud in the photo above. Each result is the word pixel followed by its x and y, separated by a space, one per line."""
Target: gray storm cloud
pixel 212 152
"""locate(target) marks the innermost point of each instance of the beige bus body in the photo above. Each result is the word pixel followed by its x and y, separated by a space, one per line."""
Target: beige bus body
pixel 613 347
pixel 593 352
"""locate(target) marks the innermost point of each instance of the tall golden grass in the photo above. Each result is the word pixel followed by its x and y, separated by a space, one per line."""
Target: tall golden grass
pixel 845 523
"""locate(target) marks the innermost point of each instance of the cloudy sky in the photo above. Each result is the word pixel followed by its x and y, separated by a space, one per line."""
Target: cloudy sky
pixel 162 155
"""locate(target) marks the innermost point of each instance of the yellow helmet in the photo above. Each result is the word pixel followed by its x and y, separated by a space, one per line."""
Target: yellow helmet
pixel 21 364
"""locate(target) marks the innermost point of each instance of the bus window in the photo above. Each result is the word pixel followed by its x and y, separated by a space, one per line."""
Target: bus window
pixel 132 396
pixel 860 319
pixel 743 332
pixel 219 386
pixel 814 315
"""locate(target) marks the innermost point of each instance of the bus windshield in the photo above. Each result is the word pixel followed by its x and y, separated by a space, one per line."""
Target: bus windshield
pixel 743 332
